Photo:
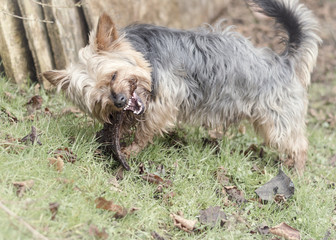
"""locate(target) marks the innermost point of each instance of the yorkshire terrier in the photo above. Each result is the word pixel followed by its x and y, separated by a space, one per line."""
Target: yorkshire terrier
pixel 208 77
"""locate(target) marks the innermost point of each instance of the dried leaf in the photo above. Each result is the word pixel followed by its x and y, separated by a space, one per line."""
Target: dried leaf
pixel 212 215
pixel 22 187
pixel 285 231
pixel 53 207
pixel 66 154
pixel 153 178
pixel 102 203
pixel 280 184
pixel 96 233
pixel 32 137
pixel 182 223
pixel 33 104
pixel 57 162
pixel 9 115
pixel 235 194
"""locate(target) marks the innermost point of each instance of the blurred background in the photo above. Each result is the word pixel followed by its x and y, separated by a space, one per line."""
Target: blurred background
pixel 39 35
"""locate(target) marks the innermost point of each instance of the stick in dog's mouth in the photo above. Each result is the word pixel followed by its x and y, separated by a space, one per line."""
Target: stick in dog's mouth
pixel 109 137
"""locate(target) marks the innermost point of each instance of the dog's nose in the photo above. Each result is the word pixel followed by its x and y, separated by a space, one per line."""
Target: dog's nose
pixel 119 100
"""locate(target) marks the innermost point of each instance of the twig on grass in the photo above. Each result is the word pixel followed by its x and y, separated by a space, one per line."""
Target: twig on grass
pixel 35 233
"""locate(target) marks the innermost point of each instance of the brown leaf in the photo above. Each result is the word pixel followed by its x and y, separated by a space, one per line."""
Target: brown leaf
pixel 212 215
pixel 32 137
pixel 22 187
pixel 102 203
pixel 33 104
pixel 9 115
pixel 280 198
pixel 53 207
pixel 182 223
pixel 57 162
pixel 285 231
pixel 235 194
pixel 153 178
pixel 96 233
pixel 66 154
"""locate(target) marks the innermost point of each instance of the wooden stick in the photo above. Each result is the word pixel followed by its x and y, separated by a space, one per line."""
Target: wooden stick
pixel 35 233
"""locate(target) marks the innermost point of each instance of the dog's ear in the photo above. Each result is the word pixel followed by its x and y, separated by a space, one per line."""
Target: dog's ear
pixel 106 33
pixel 58 78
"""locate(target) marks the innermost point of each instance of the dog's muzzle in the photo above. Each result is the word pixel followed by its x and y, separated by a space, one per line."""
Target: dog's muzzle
pixel 135 105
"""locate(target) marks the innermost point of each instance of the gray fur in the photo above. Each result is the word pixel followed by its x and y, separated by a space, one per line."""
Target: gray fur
pixel 218 78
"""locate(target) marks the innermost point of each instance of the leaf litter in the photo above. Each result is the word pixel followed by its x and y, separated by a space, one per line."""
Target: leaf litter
pixel 212 215
pixel 53 207
pixel 285 231
pixel 22 187
pixel 280 185
pixel 119 211
pixel 182 223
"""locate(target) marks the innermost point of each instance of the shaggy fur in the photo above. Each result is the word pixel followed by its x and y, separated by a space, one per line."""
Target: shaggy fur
pixel 208 77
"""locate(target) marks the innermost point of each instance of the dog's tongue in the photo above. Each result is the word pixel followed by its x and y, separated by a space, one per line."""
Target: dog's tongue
pixel 135 104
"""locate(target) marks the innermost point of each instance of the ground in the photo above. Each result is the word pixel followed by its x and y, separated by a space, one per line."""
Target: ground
pixel 57 184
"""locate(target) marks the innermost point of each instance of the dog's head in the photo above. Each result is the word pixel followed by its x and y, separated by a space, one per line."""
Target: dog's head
pixel 110 75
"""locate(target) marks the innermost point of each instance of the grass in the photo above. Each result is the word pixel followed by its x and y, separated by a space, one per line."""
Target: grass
pixel 191 167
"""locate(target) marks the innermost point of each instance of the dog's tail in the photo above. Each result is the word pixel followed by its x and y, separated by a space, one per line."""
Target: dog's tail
pixel 301 26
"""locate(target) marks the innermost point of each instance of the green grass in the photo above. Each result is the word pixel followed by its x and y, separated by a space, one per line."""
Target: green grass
pixel 191 167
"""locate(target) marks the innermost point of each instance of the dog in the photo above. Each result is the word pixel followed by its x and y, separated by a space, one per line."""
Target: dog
pixel 208 77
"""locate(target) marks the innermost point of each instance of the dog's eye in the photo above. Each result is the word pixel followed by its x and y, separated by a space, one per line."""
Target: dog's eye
pixel 114 76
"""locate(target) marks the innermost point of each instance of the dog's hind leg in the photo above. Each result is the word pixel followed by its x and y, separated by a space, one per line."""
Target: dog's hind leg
pixel 290 140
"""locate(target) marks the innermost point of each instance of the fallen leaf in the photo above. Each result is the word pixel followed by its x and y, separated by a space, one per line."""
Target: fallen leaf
pixel 102 203
pixel 212 215
pixel 57 162
pixel 32 137
pixel 96 233
pixel 33 104
pixel 235 194
pixel 9 115
pixel 280 199
pixel 280 184
pixel 153 178
pixel 285 231
pixel 22 187
pixel 53 207
pixel 66 154
pixel 182 223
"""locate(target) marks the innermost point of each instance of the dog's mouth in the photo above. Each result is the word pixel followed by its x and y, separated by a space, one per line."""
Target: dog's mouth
pixel 135 105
